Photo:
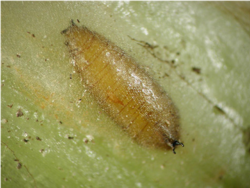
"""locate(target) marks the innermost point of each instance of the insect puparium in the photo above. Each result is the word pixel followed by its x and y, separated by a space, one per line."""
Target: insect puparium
pixel 125 91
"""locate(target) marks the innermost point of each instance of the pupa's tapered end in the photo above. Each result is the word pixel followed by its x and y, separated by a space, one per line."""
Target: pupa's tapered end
pixel 175 143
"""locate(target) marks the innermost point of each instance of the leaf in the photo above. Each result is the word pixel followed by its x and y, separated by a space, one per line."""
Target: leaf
pixel 61 138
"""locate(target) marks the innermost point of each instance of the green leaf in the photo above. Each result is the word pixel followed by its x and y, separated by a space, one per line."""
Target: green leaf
pixel 55 135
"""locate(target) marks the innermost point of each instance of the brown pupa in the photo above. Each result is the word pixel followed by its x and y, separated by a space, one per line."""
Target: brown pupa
pixel 125 91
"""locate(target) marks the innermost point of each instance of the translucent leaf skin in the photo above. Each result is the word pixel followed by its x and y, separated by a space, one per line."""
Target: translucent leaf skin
pixel 123 89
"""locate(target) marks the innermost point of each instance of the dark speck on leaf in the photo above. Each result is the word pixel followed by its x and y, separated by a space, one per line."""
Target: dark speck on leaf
pixel 196 70
pixel 19 113
pixel 19 165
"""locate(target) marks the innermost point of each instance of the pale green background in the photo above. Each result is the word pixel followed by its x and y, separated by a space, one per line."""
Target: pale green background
pixel 212 36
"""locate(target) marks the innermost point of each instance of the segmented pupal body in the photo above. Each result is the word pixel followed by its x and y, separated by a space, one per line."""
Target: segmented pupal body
pixel 123 89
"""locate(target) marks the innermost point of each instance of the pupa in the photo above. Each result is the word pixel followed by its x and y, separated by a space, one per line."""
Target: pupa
pixel 123 89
